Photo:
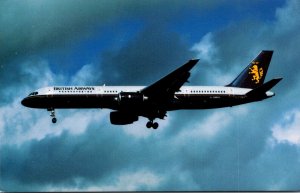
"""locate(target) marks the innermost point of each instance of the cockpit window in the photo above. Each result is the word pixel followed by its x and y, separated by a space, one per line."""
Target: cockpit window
pixel 33 94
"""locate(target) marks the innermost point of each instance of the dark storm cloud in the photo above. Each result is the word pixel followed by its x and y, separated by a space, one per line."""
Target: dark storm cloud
pixel 240 42
pixel 151 55
pixel 274 172
pixel 29 26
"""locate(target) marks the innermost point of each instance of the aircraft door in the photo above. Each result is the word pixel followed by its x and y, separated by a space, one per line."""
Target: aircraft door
pixel 49 92
pixel 231 92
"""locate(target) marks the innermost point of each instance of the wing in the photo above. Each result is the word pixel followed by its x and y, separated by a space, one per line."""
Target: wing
pixel 167 86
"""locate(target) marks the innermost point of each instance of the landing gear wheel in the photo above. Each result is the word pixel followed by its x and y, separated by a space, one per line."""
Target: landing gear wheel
pixel 155 125
pixel 149 124
pixel 54 120
pixel 52 114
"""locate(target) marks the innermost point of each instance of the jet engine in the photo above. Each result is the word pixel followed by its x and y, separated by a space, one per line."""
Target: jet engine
pixel 122 118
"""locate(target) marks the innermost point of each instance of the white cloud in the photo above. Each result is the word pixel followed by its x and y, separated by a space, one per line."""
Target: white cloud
pixel 139 129
pixel 133 181
pixel 220 78
pixel 128 181
pixel 14 122
pixel 206 49
pixel 86 75
pixel 288 17
pixel 288 129
pixel 39 72
pixel 214 124
pixel 79 120
pixel 19 124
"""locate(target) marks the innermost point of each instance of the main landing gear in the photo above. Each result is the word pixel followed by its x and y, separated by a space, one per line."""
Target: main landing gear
pixel 152 124
pixel 52 114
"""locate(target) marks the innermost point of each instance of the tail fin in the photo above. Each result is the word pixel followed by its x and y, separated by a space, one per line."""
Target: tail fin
pixel 254 74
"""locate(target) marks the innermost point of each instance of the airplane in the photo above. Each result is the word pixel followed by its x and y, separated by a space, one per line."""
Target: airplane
pixel 167 94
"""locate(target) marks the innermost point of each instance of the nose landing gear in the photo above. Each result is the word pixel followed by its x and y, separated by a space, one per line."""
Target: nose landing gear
pixel 52 114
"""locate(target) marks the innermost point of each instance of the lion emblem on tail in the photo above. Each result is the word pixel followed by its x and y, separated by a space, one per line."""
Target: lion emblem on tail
pixel 256 72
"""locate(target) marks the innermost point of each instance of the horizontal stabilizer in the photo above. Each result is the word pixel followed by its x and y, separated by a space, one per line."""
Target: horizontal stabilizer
pixel 261 90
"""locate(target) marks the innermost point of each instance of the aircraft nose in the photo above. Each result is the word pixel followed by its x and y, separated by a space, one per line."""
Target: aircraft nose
pixel 25 102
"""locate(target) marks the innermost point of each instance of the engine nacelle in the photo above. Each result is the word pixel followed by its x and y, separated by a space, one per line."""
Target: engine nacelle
pixel 131 99
pixel 122 118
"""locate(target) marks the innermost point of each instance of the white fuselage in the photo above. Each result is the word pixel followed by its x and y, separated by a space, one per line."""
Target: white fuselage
pixel 108 90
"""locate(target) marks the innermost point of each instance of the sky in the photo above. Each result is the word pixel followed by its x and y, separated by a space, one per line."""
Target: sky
pixel 255 146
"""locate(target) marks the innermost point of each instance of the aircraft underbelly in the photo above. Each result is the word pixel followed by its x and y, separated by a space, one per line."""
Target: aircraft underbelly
pixel 205 102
